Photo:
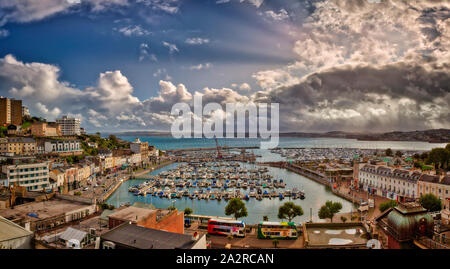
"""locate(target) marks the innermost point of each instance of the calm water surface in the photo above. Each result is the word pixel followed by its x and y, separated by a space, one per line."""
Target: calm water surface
pixel 316 194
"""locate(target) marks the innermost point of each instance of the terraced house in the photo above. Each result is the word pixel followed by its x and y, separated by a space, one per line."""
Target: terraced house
pixel 393 183
pixel 18 146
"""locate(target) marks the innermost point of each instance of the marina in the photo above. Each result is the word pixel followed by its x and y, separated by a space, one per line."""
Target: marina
pixel 216 181
pixel 211 203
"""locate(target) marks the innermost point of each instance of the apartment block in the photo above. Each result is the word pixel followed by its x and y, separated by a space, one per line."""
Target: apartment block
pixel 69 126
pixel 10 111
pixel 33 175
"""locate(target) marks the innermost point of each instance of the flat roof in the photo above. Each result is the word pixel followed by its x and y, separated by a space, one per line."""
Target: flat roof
pixel 44 209
pixel 330 235
pixel 132 213
pixel 9 230
pixel 145 238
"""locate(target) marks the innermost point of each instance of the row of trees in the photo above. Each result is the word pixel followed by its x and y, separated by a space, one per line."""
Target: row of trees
pixel 236 208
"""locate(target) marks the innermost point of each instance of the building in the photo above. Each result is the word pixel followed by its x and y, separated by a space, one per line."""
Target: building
pixel 45 215
pixel 57 179
pixel 18 146
pixel 69 126
pixel 44 129
pixel 28 173
pixel 439 187
pixel 398 227
pixel 10 111
pixel 71 177
pixel 13 236
pixel 63 147
pixel 141 148
pixel 334 236
pixel 74 238
pixel 26 112
pixel 161 219
pixel 393 183
pixel 131 236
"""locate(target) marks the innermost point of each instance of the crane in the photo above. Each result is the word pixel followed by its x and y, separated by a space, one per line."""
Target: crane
pixel 219 154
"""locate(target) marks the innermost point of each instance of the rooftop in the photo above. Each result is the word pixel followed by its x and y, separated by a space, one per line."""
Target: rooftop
pixel 134 236
pixel 72 233
pixel 132 213
pixel 328 235
pixel 9 230
pixel 41 210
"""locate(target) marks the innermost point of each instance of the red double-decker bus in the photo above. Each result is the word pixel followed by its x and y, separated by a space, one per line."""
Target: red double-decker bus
pixel 226 227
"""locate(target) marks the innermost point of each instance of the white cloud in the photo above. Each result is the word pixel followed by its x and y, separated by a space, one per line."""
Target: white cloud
pixel 256 3
pixel 200 66
pixel 132 30
pixel 281 15
pixel 168 6
pixel 172 47
pixel 23 11
pixel 144 53
pixel 197 41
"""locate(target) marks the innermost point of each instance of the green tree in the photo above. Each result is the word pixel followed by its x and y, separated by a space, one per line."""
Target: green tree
pixel 275 243
pixel 439 157
pixel 430 202
pixel 343 219
pixel 388 152
pixel 172 208
pixel 329 209
pixel 265 218
pixel 388 204
pixel 236 208
pixel 289 211
pixel 187 211
pixel 424 155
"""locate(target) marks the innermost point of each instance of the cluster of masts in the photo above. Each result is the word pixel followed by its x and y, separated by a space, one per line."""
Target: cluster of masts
pixel 215 181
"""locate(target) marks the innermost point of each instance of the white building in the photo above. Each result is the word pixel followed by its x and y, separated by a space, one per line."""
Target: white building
pixel 25 112
pixel 69 126
pixel 62 146
pixel 392 183
pixel 32 175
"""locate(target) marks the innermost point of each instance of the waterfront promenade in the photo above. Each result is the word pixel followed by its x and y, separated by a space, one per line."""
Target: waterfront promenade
pixel 342 190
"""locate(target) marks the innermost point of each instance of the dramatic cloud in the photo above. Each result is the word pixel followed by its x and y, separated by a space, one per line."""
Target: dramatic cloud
pixel 102 106
pixel 366 66
pixel 357 65
pixel 31 10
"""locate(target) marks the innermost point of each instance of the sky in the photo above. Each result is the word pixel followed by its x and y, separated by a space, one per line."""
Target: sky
pixel 332 65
